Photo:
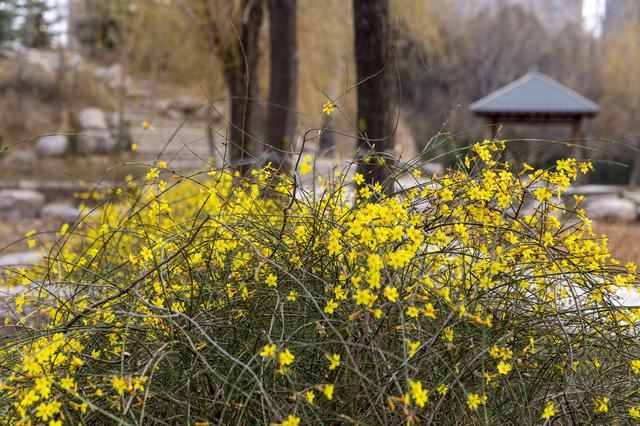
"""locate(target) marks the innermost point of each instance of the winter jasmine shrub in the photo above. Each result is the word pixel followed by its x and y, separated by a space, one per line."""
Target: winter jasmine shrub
pixel 481 296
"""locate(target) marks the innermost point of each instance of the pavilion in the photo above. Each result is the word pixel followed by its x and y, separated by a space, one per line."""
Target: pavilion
pixel 536 98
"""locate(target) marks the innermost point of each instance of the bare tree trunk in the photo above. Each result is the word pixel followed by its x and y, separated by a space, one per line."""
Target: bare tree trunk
pixel 281 115
pixel 241 79
pixel 375 88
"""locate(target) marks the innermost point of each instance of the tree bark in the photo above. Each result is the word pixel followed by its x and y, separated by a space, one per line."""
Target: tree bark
pixel 281 112
pixel 375 89
pixel 240 76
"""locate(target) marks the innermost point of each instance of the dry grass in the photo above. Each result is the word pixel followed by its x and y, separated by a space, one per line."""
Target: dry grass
pixel 624 240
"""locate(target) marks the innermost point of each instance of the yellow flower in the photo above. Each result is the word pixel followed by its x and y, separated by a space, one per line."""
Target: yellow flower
pixel 412 347
pixel 310 396
pixel 474 400
pixel 285 358
pixel 358 179
pixel 268 351
pixel 305 167
pixel 504 367
pixel 442 389
pixel 119 384
pixel 327 390
pixel 334 361
pixel 292 296
pixel 147 125
pixel 134 147
pixel 152 174
pixel 45 411
pixel 601 405
pixel 448 334
pixel 391 293
pixel 55 422
pixel 635 366
pixel 162 164
pixel 328 108
pixel 271 280
pixel 549 411
pixel 419 395
pixel 330 307
pixel 634 411
pixel 413 312
pixel 291 421
pixel 429 311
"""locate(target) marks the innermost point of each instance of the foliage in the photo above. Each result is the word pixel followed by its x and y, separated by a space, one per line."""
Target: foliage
pixel 6 20
pixel 33 24
pixel 481 296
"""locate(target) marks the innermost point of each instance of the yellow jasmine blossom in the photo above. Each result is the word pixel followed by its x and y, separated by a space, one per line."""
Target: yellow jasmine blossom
pixel 412 347
pixel 328 108
pixel 413 312
pixel 358 179
pixel 268 351
pixel 549 411
pixel 334 361
pixel 391 293
pixel 119 384
pixel 419 395
pixel 271 280
pixel 330 307
pixel 442 389
pixel 475 400
pixel 601 405
pixel 305 167
pixel 291 421
pixel 327 390
pixel 310 396
pixel 285 357
pixel 504 367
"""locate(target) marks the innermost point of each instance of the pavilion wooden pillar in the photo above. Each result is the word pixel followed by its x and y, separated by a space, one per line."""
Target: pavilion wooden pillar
pixel 492 127
pixel 576 138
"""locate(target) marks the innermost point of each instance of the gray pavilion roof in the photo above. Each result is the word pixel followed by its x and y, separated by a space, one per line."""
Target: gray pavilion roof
pixel 535 93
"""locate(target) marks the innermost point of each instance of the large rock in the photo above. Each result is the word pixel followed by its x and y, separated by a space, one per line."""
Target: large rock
pixel 52 146
pixel 20 203
pixel 186 104
pixel 23 258
pixel 95 141
pixel 61 212
pixel 92 118
pixel 112 76
pixel 612 209
pixel 23 159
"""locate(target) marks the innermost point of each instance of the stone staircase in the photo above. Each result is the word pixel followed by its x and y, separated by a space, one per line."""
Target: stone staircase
pixel 181 142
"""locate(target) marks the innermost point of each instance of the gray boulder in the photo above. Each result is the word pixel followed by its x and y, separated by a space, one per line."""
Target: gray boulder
pixel 22 258
pixel 20 203
pixel 23 159
pixel 95 141
pixel 52 146
pixel 613 209
pixel 92 118
pixel 61 212
pixel 186 104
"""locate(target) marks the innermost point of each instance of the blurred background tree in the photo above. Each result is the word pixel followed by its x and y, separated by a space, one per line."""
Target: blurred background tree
pixel 447 54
